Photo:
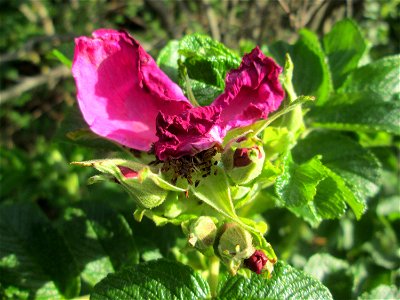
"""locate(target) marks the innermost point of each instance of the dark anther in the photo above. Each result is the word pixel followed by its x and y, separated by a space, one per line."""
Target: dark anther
pixel 186 166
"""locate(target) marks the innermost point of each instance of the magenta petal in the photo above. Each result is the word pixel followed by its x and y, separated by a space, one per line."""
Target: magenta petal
pixel 252 91
pixel 121 89
pixel 187 133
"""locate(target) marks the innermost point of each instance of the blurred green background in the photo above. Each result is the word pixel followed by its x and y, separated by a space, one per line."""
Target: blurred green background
pixel 37 102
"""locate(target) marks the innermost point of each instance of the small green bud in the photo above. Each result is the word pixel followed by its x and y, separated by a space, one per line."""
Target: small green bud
pixel 244 161
pixel 234 245
pixel 202 234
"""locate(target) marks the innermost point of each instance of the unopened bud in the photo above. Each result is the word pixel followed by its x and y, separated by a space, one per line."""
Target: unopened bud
pixel 234 245
pixel 244 161
pixel 147 189
pixel 202 234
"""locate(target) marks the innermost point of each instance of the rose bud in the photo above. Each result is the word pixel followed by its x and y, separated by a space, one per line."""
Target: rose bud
pixel 244 161
pixel 256 261
pixel 233 245
pixel 202 234
pixel 146 188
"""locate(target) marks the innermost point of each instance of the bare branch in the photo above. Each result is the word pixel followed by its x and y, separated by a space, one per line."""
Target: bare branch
pixel 33 82
pixel 212 20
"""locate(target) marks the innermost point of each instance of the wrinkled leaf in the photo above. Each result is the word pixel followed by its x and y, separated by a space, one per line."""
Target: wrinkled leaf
pixel 158 279
pixel 356 165
pixel 100 240
pixel 363 111
pixel 167 60
pixel 286 283
pixel 34 257
pixel 380 77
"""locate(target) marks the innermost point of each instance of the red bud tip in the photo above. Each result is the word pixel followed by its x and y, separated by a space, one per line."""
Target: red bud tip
pixel 128 173
pixel 256 262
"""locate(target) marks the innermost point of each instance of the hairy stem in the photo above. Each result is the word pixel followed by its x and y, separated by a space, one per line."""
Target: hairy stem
pixel 213 276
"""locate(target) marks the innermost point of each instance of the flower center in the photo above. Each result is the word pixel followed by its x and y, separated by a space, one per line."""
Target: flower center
pixel 192 168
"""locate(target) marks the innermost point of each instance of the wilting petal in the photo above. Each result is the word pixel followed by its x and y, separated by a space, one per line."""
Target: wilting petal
pixel 121 90
pixel 188 133
pixel 252 91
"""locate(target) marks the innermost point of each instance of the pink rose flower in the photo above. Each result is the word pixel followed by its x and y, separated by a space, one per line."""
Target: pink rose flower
pixel 125 97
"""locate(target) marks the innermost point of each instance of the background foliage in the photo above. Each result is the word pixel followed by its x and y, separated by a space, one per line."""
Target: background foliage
pixel 51 221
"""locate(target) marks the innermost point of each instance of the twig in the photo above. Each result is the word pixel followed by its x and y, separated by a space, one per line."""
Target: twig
pixel 27 48
pixel 47 22
pixel 212 20
pixel 33 82
pixel 349 8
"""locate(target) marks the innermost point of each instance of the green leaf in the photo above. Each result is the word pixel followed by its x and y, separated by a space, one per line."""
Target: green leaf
pixel 363 111
pixel 344 46
pixel 380 77
pixel 204 93
pixel 167 60
pixel 311 72
pixel 286 283
pixel 297 186
pixel 356 165
pixel 207 63
pixel 369 100
pixel 204 52
pixel 100 240
pixel 382 292
pixel 34 257
pixel 62 58
pixel 159 279
pixel 314 192
pixel 334 273
pixel 389 207
pixel 332 194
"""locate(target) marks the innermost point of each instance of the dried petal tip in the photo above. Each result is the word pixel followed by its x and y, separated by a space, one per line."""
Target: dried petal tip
pixel 256 262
